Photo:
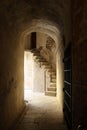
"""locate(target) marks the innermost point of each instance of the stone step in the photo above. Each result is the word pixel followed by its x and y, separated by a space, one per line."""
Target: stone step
pixel 41 60
pixel 51 89
pixel 34 50
pixel 53 79
pixel 50 93
pixel 48 68
pixel 36 54
pixel 52 72
pixel 52 84
pixel 45 64
pixel 42 63
pixel 53 76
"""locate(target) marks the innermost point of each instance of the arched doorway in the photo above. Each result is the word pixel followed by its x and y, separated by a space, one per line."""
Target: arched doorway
pixel 40 64
pixel 53 31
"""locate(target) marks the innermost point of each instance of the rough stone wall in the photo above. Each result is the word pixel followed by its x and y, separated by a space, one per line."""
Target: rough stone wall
pixel 48 48
pixel 79 22
pixel 11 74
pixel 11 71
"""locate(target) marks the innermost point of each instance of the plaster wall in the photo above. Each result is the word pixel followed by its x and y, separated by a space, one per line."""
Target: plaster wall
pixel 38 78
pixel 41 39
pixel 60 79
pixel 11 76
pixel 27 44
pixel 28 70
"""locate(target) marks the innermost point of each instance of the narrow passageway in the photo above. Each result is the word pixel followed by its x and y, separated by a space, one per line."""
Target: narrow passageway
pixel 42 113
pixel 54 34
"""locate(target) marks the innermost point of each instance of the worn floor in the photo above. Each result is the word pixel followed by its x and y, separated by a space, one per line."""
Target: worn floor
pixel 42 113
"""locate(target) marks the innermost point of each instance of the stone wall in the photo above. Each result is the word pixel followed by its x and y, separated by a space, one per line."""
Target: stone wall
pixel 60 79
pixel 79 22
pixel 27 45
pixel 48 48
pixel 38 78
pixel 11 74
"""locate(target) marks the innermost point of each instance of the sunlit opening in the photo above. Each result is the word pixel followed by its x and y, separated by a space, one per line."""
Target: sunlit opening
pixel 40 72
pixel 28 72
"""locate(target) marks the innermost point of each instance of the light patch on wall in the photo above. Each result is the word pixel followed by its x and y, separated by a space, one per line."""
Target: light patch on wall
pixel 28 70
pixel 28 74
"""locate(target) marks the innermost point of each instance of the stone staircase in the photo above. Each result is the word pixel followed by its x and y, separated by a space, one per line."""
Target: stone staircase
pixel 51 89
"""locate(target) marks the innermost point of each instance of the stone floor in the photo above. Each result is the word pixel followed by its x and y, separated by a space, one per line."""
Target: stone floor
pixel 42 113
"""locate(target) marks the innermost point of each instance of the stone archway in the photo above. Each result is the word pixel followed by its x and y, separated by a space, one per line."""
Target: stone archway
pixel 44 26
pixel 53 31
